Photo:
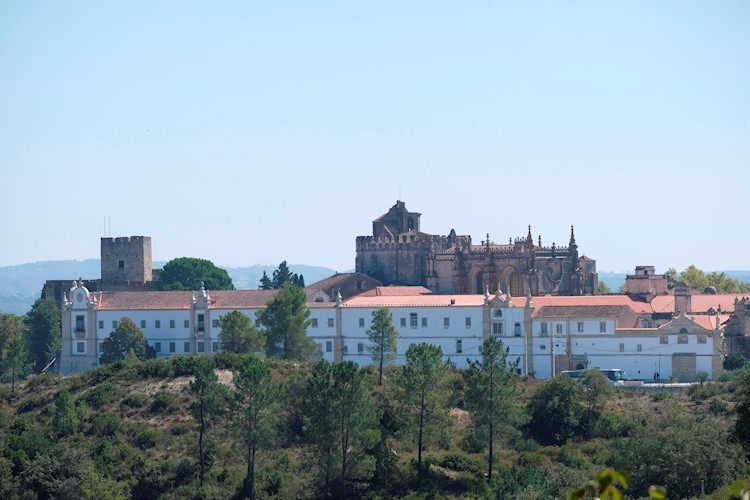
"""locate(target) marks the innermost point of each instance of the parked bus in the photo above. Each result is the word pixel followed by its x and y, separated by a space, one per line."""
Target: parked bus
pixel 614 375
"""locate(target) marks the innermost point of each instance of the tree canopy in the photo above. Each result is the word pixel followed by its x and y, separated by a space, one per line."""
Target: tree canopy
pixel 383 336
pixel 281 275
pixel 238 334
pixel 187 273
pixel 43 335
pixel 126 337
pixel 286 320
pixel 699 280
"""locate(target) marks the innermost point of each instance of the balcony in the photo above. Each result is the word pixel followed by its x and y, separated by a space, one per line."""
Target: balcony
pixel 80 333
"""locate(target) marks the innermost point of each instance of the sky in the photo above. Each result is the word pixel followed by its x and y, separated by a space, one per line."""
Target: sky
pixel 255 132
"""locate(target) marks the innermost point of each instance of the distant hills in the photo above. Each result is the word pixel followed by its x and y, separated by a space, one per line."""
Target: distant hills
pixel 21 285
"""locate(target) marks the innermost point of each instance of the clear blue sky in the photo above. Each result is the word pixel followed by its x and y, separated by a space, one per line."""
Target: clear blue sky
pixel 249 132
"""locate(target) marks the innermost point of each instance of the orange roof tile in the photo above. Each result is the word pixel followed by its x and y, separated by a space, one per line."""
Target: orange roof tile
pixel 414 301
pixel 396 291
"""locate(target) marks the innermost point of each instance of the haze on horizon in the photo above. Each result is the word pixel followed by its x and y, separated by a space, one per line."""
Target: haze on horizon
pixel 249 133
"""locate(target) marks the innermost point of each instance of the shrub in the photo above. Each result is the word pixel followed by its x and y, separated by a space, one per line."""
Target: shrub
pixel 155 368
pixel 459 462
pixel 106 424
pixel 134 400
pixel 184 366
pixel 101 395
pixel 146 438
pixel 717 406
pixel 700 393
pixel 163 401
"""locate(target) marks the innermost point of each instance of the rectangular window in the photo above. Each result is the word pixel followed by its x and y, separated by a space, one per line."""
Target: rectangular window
pixel 114 324
pixel 329 346
pixel 360 347
pixel 201 323
pixel 701 338
pixel 201 347
pixel 558 328
pixel 468 321
pixel 622 347
pixel 186 347
pixel 101 346
pixel 344 349
pixel 544 330
pixel 424 321
pixel 639 348
pixel 663 339
pixel 171 323
pixel 187 323
pixel 413 320
pixel 361 322
pixel 257 323
pixel 172 347
pixel 446 322
pixel 79 323
pixel 403 322
pixel 580 327
pixel 459 346
pixel 517 329
pixel 543 347
pixel 121 264
pixel 157 323
pixel 602 327
pixel 497 328
pixel 215 323
pixel 101 325
pixel 157 347
pixel 330 322
pixel 214 347
pixel 80 347
pixel 314 323
pixel 682 339
pixel 143 323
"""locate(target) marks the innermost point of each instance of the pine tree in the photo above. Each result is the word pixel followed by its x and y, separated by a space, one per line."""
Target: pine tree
pixel 265 282
pixel 126 337
pixel 238 334
pixel 205 386
pixel 44 336
pixel 286 320
pixel 383 336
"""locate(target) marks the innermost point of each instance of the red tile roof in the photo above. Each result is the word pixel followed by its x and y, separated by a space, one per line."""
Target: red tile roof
pixel 220 299
pixel 581 311
pixel 414 301
pixel 396 291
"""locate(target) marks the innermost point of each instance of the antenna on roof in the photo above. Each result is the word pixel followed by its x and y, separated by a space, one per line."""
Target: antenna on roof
pixel 399 191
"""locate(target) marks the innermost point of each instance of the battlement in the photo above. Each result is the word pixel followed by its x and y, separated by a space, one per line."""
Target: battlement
pixel 126 239
pixel 126 258
pixel 405 241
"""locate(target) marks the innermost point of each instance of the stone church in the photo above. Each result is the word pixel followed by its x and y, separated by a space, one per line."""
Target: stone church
pixel 399 253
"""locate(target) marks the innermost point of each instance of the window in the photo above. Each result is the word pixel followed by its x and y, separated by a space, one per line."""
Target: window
pixel 468 321
pixel 171 323
pixel 682 339
pixel 413 320
pixel 157 347
pixel 143 323
pixel 101 346
pixel 314 323
pixel 602 327
pixel 497 328
pixel 187 323
pixel 215 323
pixel 446 322
pixel 646 324
pixel 361 322
pixel 80 347
pixel 121 264
pixel 558 328
pixel 701 338
pixel 257 323
pixel 214 347
pixel 201 347
pixel 459 346
pixel 360 347
pixel 543 347
pixel 330 322
pixel 663 339
pixel 186 347
pixel 101 325
pixel 579 327
pixel 424 321
pixel 114 324
pixel 639 348
pixel 329 346
pixel 517 329
pixel 498 313
pixel 172 347
pixel 157 323
pixel 544 330
pixel 201 324
pixel 79 323
pixel 403 322
pixel 622 347
pixel 344 349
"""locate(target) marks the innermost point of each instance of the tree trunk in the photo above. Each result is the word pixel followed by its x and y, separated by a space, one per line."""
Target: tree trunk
pixel 201 450
pixel 489 465
pixel 419 441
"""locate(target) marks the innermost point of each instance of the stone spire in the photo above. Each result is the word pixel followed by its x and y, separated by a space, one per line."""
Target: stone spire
pixel 529 238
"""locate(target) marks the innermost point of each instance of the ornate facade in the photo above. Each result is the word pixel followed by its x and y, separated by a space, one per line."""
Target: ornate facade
pixel 399 253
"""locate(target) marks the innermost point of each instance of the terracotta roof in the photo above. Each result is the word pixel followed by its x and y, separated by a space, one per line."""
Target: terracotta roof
pixel 698 303
pixel 330 281
pixel 220 299
pixel 581 311
pixel 396 291
pixel 431 300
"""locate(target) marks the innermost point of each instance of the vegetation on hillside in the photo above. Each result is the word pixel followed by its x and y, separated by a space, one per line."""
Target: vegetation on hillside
pixel 233 425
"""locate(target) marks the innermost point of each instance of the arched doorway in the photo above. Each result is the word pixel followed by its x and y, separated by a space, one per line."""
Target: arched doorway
pixel 476 280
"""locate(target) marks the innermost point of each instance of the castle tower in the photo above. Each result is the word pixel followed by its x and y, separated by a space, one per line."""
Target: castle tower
pixel 126 259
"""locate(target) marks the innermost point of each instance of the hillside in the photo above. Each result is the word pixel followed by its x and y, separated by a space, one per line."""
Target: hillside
pixel 134 433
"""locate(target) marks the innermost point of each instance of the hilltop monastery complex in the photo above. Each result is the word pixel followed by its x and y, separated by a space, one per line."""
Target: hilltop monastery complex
pixel 440 289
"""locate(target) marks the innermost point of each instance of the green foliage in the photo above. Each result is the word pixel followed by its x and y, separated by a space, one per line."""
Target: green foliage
pixel 702 376
pixel 101 395
pixel 163 401
pixel 423 393
pixel 126 337
pixel 65 420
pixel 742 409
pixel 188 273
pixel 106 424
pixel 135 400
pixel 383 336
pixel 15 359
pixel 286 320
pixel 205 387
pixel 605 487
pixel 238 334
pixel 603 288
pixel 490 392
pixel 555 410
pixel 696 278
pixel 43 334
pixel 11 326
pixel 735 361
